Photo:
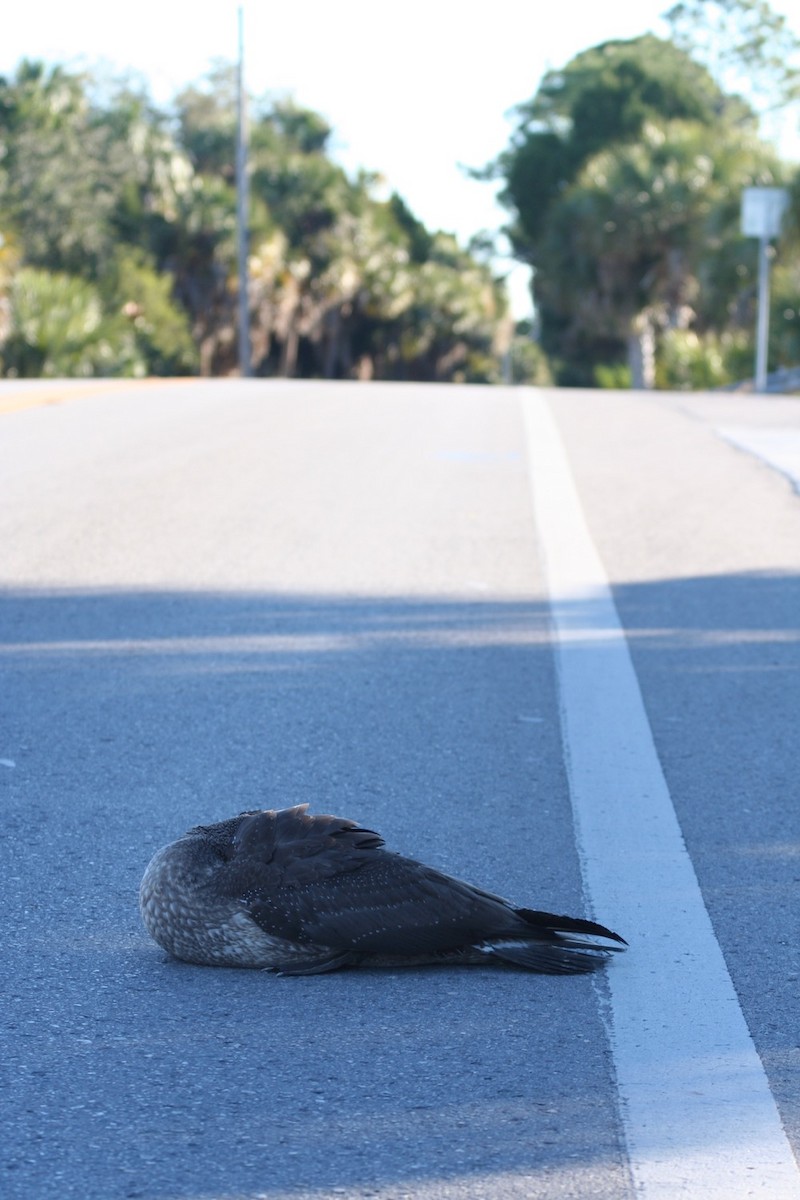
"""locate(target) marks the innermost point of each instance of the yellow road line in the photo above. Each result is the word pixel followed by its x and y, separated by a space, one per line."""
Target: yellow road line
pixel 57 393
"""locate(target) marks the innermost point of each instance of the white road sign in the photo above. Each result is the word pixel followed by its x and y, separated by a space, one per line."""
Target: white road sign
pixel 762 211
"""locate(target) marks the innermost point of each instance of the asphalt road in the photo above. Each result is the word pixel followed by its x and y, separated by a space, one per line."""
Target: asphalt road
pixel 224 595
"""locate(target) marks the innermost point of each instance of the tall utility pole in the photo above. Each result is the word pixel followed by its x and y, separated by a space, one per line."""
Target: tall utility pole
pixel 242 208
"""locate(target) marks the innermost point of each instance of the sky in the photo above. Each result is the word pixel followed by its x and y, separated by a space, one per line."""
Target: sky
pixel 414 91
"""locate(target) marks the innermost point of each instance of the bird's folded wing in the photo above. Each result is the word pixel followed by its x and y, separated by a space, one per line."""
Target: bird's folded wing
pixel 391 905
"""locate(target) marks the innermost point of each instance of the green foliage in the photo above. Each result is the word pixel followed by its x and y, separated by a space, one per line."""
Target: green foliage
pixel 616 376
pixel 160 327
pixel 206 115
pixel 528 362
pixel 690 361
pixel 632 231
pixel 119 245
pixel 784 341
pixel 60 328
pixel 59 171
pixel 744 41
pixel 305 131
pixel 625 179
pixel 419 240
pixel 448 329
pixel 603 97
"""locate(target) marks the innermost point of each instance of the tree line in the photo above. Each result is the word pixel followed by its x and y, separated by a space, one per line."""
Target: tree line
pixel 118 253
pixel 623 180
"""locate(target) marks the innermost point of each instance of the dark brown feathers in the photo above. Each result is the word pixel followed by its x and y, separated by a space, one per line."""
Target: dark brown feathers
pixel 303 894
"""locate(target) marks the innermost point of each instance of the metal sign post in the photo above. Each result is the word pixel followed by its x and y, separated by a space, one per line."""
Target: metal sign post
pixel 762 211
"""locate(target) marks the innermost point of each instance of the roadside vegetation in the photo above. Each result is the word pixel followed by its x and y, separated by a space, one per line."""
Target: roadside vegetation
pixel 623 181
pixel 118 254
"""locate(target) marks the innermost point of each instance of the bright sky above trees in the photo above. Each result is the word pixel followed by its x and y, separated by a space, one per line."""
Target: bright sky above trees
pixel 411 90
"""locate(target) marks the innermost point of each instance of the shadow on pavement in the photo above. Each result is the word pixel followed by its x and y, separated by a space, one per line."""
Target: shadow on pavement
pixel 129 716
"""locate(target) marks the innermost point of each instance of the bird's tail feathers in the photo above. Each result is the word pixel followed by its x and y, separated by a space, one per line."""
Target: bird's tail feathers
pixel 551 958
pixel 558 944
pixel 557 923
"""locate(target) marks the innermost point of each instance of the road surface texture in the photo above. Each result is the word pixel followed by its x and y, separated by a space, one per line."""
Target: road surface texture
pixel 459 616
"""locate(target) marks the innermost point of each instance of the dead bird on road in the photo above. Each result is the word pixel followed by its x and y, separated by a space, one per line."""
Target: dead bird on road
pixel 300 894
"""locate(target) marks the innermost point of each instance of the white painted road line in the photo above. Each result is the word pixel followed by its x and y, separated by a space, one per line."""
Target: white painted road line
pixel 698 1114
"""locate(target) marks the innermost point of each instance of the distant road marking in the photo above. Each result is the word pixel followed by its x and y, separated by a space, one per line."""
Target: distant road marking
pixel 58 391
pixel 698 1114
pixel 779 448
